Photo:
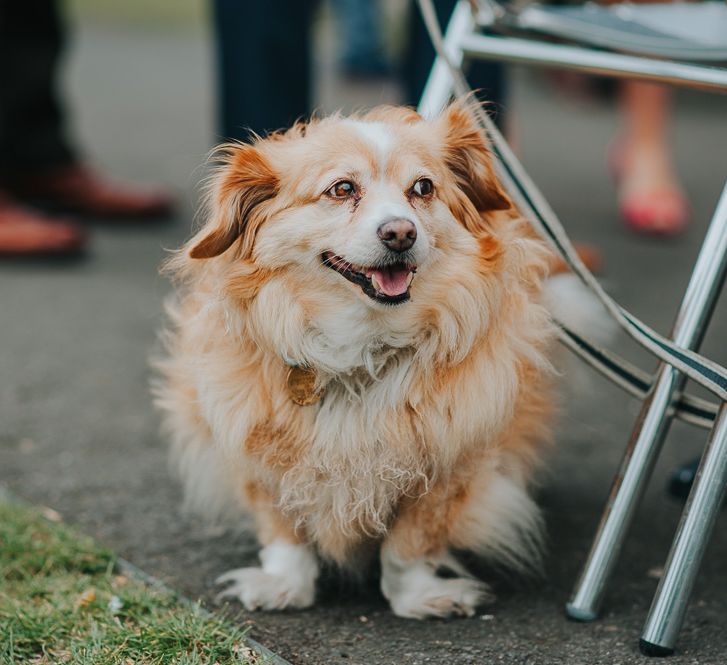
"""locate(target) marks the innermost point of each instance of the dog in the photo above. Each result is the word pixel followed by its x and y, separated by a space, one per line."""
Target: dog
pixel 360 357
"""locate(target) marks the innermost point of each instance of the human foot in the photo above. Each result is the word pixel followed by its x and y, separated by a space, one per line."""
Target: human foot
pixel 26 233
pixel 591 257
pixel 651 200
pixel 82 191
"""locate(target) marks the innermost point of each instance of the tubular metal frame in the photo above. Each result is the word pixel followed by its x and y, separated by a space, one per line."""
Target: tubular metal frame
pixel 653 422
pixel 463 40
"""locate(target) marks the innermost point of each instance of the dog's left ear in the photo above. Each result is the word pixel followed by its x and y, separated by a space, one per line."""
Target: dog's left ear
pixel 467 155
pixel 244 182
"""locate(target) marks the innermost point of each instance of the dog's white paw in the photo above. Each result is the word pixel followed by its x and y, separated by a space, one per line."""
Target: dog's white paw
pixel 258 590
pixel 441 598
pixel 414 590
pixel 287 579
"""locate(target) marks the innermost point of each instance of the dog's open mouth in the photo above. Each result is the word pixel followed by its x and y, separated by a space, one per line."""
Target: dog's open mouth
pixel 388 284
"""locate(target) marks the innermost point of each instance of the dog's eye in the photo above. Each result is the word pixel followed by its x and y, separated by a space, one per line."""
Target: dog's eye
pixel 423 187
pixel 342 189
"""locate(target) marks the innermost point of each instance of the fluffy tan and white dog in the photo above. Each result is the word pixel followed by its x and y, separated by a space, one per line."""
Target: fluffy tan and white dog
pixel 359 356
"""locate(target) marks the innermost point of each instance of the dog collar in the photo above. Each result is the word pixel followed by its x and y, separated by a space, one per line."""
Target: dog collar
pixel 302 385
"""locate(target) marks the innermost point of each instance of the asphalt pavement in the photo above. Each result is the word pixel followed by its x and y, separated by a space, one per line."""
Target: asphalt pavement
pixel 78 431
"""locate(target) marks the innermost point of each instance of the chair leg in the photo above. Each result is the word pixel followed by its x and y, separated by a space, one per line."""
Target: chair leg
pixel 440 87
pixel 698 519
pixel 626 491
pixel 652 424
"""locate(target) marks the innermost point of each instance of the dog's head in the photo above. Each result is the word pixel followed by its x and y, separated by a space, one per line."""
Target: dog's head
pixel 358 204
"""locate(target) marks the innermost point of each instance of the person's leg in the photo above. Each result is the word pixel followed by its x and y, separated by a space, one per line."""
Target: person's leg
pixel 488 78
pixel 650 196
pixel 263 61
pixel 38 162
pixel 32 131
pixel 362 51
pixel 32 124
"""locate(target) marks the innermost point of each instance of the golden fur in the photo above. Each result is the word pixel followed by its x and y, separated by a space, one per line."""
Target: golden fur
pixel 434 411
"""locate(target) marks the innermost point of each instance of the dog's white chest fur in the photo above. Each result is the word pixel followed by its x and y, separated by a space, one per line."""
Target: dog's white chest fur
pixel 363 455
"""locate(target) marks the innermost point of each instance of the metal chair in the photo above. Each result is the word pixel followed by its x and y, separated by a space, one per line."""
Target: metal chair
pixel 649 43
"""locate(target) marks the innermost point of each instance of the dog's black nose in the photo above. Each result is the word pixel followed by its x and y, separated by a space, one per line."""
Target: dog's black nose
pixel 398 234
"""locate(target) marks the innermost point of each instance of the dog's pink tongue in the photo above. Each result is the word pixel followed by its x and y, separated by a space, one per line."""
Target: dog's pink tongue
pixel 392 281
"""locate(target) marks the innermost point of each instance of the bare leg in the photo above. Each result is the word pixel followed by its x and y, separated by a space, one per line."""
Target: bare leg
pixel 651 198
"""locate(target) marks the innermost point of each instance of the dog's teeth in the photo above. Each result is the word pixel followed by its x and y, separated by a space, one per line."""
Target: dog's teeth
pixel 409 279
pixel 375 283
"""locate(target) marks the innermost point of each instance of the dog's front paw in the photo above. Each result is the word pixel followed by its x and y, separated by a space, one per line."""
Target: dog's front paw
pixel 415 591
pixel 441 598
pixel 258 590
pixel 287 579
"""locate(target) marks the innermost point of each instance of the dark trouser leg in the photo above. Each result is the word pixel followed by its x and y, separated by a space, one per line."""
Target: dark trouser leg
pixel 32 128
pixel 485 77
pixel 264 61
pixel 360 36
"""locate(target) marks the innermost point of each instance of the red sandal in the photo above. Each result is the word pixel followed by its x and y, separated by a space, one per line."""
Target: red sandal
pixel 656 210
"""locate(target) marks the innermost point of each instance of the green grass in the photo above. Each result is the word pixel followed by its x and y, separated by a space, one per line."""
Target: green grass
pixel 62 601
pixel 159 14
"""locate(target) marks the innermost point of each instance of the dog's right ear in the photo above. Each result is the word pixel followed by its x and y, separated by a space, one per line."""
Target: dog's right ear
pixel 243 183
pixel 467 154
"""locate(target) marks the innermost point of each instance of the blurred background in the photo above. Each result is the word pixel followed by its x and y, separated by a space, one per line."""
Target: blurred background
pixel 77 428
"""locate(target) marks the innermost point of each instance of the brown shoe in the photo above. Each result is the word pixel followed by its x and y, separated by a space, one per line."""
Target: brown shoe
pixel 590 256
pixel 79 190
pixel 25 233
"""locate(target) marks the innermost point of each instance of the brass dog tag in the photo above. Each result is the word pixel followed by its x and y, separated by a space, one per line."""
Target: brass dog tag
pixel 302 386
